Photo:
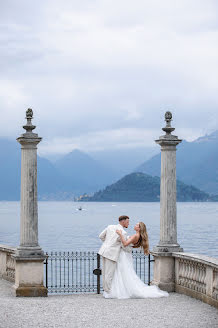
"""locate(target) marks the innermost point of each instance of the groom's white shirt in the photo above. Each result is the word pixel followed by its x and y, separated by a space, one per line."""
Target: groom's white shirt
pixel 111 246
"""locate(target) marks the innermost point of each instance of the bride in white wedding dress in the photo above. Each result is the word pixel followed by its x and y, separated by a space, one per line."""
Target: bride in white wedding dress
pixel 126 283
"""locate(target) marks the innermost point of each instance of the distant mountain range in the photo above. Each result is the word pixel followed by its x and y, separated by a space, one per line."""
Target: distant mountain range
pixel 70 175
pixel 140 187
pixel 83 172
pixel 77 172
pixel 9 170
pixel 197 163
pixel 124 161
pixel 50 181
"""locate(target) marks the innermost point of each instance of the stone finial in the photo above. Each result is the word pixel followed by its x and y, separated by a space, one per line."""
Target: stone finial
pixel 29 116
pixel 168 118
pixel 29 113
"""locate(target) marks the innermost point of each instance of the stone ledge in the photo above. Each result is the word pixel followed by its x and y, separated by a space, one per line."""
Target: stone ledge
pixel 7 248
pixel 211 261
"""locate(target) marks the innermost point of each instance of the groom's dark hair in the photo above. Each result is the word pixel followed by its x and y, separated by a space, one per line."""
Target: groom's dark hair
pixel 123 217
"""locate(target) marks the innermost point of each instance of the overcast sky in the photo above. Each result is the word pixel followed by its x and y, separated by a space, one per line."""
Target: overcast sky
pixel 101 74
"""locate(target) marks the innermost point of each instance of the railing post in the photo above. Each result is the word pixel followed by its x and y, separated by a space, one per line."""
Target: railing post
pixel 149 269
pixel 46 271
pixel 98 276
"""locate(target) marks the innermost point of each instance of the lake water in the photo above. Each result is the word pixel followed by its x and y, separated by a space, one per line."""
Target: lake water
pixel 62 227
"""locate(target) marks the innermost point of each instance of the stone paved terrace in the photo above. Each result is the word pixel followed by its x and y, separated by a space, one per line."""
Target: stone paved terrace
pixel 93 311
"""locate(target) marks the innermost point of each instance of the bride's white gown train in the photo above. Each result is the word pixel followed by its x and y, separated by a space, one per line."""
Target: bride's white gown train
pixel 126 283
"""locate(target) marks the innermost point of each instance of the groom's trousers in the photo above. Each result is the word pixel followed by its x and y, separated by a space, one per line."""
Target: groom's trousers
pixel 108 269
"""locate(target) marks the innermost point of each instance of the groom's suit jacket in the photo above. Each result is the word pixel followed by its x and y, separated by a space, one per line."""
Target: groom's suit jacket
pixel 111 246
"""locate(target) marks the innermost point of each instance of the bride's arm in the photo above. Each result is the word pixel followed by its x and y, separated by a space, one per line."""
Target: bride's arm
pixel 127 242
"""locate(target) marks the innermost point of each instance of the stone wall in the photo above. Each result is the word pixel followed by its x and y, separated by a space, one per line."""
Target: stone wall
pixel 197 276
pixel 7 263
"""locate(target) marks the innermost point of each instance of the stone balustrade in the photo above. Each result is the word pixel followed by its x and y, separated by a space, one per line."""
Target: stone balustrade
pixel 197 276
pixel 7 262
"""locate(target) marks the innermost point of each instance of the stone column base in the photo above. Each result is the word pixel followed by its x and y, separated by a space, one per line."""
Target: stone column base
pixel 164 271
pixel 30 291
pixel 29 277
pixel 167 248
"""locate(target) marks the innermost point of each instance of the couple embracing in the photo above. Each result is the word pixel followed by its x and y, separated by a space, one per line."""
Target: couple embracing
pixel 119 277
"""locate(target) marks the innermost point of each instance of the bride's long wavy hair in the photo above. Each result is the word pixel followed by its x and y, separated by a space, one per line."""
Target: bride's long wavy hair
pixel 143 239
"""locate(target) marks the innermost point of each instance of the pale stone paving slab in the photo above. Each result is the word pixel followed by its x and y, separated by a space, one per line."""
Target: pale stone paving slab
pixel 93 311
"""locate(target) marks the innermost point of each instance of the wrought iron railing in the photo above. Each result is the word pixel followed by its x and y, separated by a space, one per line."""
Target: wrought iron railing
pixel 80 272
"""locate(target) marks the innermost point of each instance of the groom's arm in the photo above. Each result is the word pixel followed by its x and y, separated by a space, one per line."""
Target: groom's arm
pixel 102 235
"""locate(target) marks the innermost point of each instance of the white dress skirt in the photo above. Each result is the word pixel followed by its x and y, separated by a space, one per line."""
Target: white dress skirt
pixel 126 283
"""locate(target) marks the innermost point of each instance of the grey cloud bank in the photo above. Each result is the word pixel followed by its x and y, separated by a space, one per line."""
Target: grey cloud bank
pixel 99 74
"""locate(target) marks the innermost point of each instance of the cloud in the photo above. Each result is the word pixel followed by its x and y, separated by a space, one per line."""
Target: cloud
pixel 89 68
pixel 125 138
pixel 12 95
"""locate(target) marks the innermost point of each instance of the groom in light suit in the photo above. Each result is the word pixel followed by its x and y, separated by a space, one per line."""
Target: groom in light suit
pixel 110 250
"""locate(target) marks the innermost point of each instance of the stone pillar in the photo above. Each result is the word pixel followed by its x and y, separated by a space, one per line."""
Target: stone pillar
pixel 164 267
pixel 29 255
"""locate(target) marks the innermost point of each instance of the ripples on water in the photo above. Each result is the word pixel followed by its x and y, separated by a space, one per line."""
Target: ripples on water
pixel 62 227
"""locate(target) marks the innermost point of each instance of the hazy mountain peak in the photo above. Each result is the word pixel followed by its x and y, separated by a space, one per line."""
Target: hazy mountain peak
pixel 208 137
pixel 77 151
pixel 76 154
pixel 197 163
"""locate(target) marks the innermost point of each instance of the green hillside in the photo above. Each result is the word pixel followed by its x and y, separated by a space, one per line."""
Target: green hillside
pixel 140 187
